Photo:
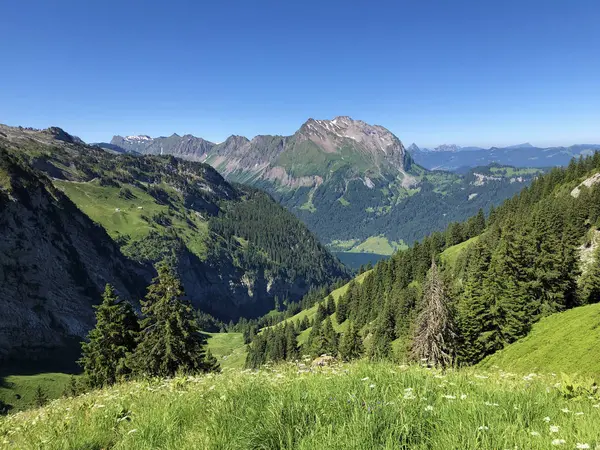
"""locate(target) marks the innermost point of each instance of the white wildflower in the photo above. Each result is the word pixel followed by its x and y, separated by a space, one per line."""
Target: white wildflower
pixel 534 433
pixel 558 442
pixel 371 386
pixel 596 405
pixel 483 428
pixel 132 431
pixel 554 428
pixel 580 413
pixel 546 419
pixel 565 410
pixel 463 396
pixel 429 408
pixel 450 397
pixel 582 446
pixel 364 379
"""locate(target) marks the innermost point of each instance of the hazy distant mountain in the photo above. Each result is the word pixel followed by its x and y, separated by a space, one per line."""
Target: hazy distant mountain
pixel 522 155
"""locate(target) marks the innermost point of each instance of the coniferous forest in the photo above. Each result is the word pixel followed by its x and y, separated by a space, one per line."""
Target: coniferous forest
pixel 460 295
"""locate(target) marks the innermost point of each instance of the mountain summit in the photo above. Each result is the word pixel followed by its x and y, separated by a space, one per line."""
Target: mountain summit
pixel 318 149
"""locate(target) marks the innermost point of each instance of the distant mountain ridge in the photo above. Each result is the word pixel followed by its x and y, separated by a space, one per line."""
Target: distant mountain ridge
pixel 354 184
pixel 455 158
pixel 303 159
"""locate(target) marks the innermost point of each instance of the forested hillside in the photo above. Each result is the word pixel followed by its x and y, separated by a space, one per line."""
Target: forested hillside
pixel 75 217
pixel 456 297
pixel 352 183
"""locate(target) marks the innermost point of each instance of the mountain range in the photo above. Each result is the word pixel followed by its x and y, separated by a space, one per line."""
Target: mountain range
pixel 74 217
pixel 461 159
pixel 354 184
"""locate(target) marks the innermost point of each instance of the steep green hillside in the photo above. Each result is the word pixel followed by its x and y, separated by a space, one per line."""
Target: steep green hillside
pixel 228 348
pixel 19 391
pixel 566 342
pixel 75 217
pixel 351 406
pixel 492 278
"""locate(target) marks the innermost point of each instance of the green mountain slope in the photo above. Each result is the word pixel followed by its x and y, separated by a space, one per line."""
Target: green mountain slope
pixel 349 181
pixel 534 256
pixel 566 342
pixel 235 249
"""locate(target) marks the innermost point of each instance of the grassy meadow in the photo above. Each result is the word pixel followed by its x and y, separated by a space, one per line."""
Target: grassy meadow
pixel 350 406
pixel 566 342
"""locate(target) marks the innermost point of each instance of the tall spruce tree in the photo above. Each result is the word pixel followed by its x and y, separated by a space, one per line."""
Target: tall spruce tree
pixel 434 341
pixel 351 346
pixel 384 334
pixel 110 342
pixel 210 363
pixel 170 338
pixel 341 313
pixel 329 338
pixel 589 283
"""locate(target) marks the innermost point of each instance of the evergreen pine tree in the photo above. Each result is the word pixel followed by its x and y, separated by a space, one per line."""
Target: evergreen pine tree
pixel 351 346
pixel 434 339
pixel 589 283
pixel 210 363
pixel 321 312
pixel 170 339
pixel 329 338
pixel 291 343
pixel 384 334
pixel 342 309
pixel 329 305
pixel 473 310
pixel 314 343
pixel 41 398
pixel 110 342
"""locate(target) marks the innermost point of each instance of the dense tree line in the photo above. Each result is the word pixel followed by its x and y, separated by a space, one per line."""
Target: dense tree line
pixel 442 198
pixel 522 265
pixel 166 340
pixel 273 238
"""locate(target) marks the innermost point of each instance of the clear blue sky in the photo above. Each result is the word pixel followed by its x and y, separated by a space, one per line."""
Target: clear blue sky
pixel 480 72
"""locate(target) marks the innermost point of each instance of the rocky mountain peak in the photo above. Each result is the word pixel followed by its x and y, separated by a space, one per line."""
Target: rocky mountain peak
pixel 447 148
pixel 62 135
pixel 343 131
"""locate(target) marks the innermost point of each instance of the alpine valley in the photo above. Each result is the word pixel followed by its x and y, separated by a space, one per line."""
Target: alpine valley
pixel 353 184
pixel 74 217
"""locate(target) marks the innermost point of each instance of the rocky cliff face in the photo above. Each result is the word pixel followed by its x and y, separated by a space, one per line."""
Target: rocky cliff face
pixel 341 142
pixel 54 262
pixel 188 146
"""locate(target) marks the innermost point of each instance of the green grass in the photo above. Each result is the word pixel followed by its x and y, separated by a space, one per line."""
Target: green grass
pixel 100 203
pixel 309 205
pixel 18 391
pixel 566 342
pixel 514 172
pixel 355 406
pixel 228 348
pixel 306 159
pixel 343 201
pixel 123 216
pixel 379 245
pixel 450 255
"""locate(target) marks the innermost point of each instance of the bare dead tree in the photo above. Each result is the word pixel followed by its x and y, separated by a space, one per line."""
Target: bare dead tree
pixel 434 338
